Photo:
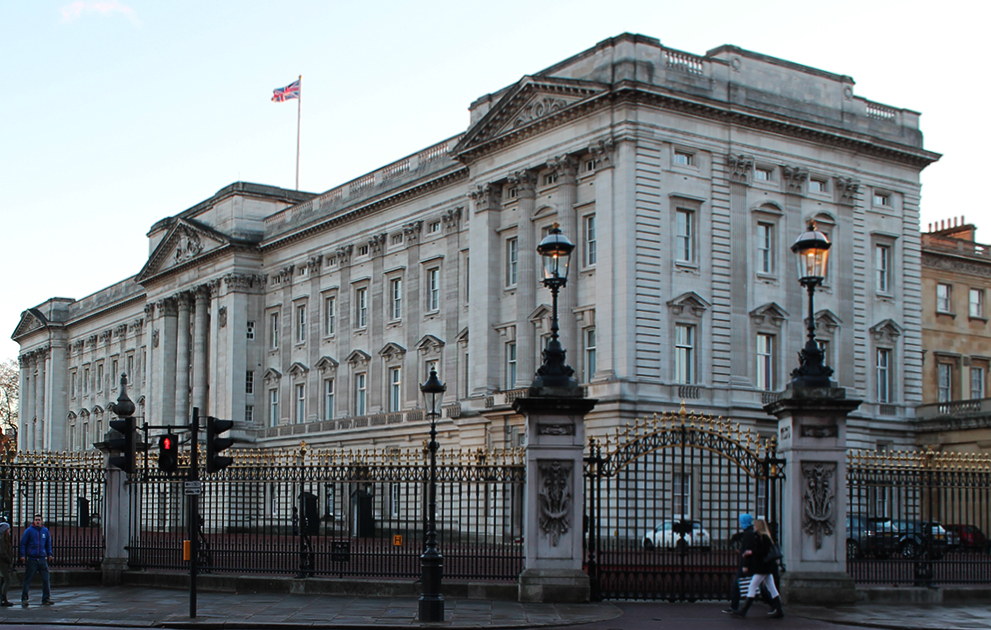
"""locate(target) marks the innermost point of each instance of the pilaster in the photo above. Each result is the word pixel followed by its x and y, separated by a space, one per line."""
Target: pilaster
pixel 483 242
pixel 525 182
pixel 200 342
pixel 606 266
pixel 566 169
pixel 184 304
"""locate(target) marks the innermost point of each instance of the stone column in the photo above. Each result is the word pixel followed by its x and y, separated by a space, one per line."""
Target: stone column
pixel 552 529
pixel 412 299
pixel 738 172
pixel 812 441
pixel 40 358
pixel 609 265
pixel 182 411
pixel 525 182
pixel 483 241
pixel 164 343
pixel 200 340
pixel 566 168
pixel 117 519
pixel 451 302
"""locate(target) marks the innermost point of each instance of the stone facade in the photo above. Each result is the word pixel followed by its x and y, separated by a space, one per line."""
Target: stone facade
pixel 956 338
pixel 682 179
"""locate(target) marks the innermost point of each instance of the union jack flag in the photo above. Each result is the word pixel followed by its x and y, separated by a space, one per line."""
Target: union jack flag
pixel 286 93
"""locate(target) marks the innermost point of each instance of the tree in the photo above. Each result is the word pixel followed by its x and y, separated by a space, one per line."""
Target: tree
pixel 9 397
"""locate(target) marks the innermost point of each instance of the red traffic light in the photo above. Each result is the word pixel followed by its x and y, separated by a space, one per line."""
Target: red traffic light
pixel 168 453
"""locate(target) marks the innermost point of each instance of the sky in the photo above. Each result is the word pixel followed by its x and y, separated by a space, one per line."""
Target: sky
pixel 122 112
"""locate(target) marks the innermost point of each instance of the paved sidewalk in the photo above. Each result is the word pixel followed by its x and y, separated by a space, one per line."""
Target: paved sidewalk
pixel 127 606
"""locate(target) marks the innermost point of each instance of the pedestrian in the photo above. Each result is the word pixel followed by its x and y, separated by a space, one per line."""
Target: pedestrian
pixel 759 562
pixel 36 549
pixel 745 537
pixel 6 562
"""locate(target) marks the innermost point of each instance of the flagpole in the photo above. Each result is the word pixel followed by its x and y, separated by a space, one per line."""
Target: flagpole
pixel 299 107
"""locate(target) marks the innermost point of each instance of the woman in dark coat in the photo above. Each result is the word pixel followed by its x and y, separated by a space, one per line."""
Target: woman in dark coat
pixel 756 564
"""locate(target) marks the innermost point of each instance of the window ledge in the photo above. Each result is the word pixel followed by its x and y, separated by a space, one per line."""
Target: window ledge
pixel 977 318
pixel 886 297
pixel 767 278
pixel 947 313
pixel 686 267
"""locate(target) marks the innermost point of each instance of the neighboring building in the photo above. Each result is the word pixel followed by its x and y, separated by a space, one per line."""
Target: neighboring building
pixel 682 179
pixel 956 338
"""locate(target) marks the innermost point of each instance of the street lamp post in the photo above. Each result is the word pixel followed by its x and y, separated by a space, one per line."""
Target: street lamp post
pixel 555 253
pixel 431 606
pixel 812 250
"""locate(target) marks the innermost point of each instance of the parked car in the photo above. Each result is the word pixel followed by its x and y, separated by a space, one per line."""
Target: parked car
pixel 870 536
pixel 677 534
pixel 914 537
pixel 969 537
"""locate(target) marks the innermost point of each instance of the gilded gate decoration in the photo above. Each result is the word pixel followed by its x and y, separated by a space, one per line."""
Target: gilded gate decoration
pixel 662 500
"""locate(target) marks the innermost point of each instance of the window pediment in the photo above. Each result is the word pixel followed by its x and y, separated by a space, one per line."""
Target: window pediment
pixel 429 343
pixel 297 370
pixel 358 357
pixel 327 364
pixel 827 320
pixel 769 314
pixel 694 303
pixel 886 330
pixel 391 350
pixel 272 376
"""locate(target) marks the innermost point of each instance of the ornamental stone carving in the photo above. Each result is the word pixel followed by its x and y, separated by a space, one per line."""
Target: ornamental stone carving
pixel 137 324
pixel 525 183
pixel 565 167
pixel 412 231
pixel 105 337
pixel 343 255
pixel 554 498
pixel 846 190
pixel 451 218
pixel 243 281
pixel 167 307
pixel 313 264
pixel 538 109
pixel 739 168
pixel 154 338
pixel 794 178
pixel 120 330
pixel 603 152
pixel 817 500
pixel 375 244
pixel 285 275
pixel 566 428
pixel 222 317
pixel 189 245
pixel 486 197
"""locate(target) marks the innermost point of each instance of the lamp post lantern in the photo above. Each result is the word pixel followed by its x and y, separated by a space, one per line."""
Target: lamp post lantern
pixel 431 605
pixel 812 255
pixel 555 253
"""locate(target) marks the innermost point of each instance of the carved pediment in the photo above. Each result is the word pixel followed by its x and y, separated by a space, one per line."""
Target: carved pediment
pixel 770 313
pixel 297 370
pixel 462 337
pixel 272 376
pixel 358 357
pixel 533 101
pixel 97 410
pixel 827 320
pixel 391 350
pixel 886 330
pixel 31 320
pixel 542 312
pixel 327 364
pixel 692 301
pixel 71 415
pixel 428 343
pixel 185 241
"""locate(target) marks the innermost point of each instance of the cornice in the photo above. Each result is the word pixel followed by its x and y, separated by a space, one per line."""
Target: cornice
pixel 453 177
pixel 955 262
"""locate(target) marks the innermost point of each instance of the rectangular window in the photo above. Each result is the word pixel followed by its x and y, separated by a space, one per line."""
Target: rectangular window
pixel 684 235
pixel 85 381
pixel 251 330
pixel 99 377
pixel 682 495
pixel 589 354
pixel 433 289
pixel 362 250
pixel 512 255
pixel 882 269
pixel 249 413
pixel 590 242
pixel 301 323
pixel 765 362
pixel 359 394
pixel 300 403
pixel 976 303
pixel 881 199
pixel 765 247
pixel 72 385
pixel 394 500
pixel 762 174
pixel 273 407
pixel 550 178
pixel 361 307
pixel 976 382
pixel 684 158
pixel 395 388
pixel 113 374
pixel 249 382
pixel 330 315
pixel 944 387
pixel 817 185
pixel 511 365
pixel 130 368
pixel 883 375
pixel 328 399
pixel 396 298
pixel 434 227
pixel 684 353
pixel 273 330
pixel 943 298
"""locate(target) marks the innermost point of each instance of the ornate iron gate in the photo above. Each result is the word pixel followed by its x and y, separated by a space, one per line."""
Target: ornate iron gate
pixel 662 503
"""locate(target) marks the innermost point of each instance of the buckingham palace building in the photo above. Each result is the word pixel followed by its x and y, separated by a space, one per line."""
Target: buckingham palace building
pixel 683 180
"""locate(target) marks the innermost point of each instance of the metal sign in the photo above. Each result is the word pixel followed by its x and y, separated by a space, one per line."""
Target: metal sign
pixel 193 487
pixel 397 540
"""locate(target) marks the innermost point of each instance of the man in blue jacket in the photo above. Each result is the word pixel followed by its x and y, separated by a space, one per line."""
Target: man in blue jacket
pixel 36 549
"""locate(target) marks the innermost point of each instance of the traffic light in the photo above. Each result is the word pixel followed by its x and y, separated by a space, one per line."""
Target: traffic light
pixel 124 444
pixel 216 444
pixel 168 453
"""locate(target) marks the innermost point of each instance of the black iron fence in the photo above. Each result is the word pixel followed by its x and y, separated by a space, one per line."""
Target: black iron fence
pixel 67 489
pixel 662 503
pixel 919 518
pixel 332 513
